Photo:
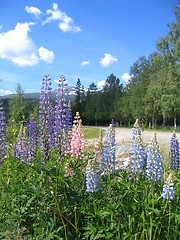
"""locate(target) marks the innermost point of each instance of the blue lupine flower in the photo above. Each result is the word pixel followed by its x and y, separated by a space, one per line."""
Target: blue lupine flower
pixel 21 146
pixel 174 152
pixel 91 179
pixel 33 139
pixel 168 189
pixel 108 150
pixel 46 118
pixel 154 168
pixel 2 135
pixel 62 120
pixel 137 151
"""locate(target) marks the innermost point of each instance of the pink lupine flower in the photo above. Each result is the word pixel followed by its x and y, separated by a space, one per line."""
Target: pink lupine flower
pixel 77 138
pixel 68 171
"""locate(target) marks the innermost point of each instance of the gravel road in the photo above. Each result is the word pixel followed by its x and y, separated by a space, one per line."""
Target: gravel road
pixel 123 137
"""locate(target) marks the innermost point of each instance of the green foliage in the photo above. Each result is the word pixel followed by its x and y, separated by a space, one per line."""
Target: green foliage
pixel 43 202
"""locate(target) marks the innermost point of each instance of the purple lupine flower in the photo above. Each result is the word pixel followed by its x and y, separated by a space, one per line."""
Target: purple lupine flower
pixel 137 151
pixel 77 138
pixel 21 145
pixel 51 141
pixel 174 152
pixel 154 168
pixel 2 135
pixel 69 117
pixel 168 189
pixel 61 118
pixel 46 117
pixel 33 139
pixel 91 178
pixel 109 150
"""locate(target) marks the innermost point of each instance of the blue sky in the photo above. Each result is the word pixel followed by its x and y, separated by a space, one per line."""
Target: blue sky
pixel 86 39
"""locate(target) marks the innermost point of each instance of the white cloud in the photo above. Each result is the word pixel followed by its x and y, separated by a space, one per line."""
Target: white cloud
pixel 18 47
pixel 108 60
pixel 101 84
pixel 65 22
pixel 85 63
pixel 33 10
pixel 57 81
pixel 46 55
pixel 126 77
pixel 5 92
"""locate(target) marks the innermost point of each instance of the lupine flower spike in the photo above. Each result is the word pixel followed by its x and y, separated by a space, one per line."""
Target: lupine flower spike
pixel 109 150
pixel 91 178
pixel 137 152
pixel 155 160
pixel 33 139
pixel 2 135
pixel 68 171
pixel 174 153
pixel 21 146
pixel 77 138
pixel 61 123
pixel 168 189
pixel 46 117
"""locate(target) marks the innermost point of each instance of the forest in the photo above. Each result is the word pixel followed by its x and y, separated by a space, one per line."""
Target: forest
pixel 152 94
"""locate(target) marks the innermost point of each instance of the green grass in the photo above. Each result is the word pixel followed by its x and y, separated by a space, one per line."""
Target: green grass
pixel 92 133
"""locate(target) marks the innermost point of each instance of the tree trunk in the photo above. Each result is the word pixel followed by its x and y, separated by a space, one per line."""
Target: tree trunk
pixel 175 123
pixel 164 121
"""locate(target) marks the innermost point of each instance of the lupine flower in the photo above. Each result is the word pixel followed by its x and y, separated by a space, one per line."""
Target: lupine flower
pixel 21 146
pixel 68 171
pixel 137 152
pixel 33 139
pixel 61 118
pixel 154 168
pixel 91 179
pixel 2 135
pixel 168 189
pixel 174 152
pixel 77 138
pixel 109 150
pixel 69 117
pixel 46 117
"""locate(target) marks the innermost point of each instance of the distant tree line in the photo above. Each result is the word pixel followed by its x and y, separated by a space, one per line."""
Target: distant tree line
pixel 151 95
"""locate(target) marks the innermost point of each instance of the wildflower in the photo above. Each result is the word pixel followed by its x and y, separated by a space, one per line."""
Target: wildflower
pixel 2 135
pixel 91 179
pixel 77 138
pixel 174 152
pixel 46 117
pixel 68 171
pixel 154 168
pixel 21 146
pixel 33 139
pixel 109 150
pixel 61 118
pixel 137 152
pixel 168 189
